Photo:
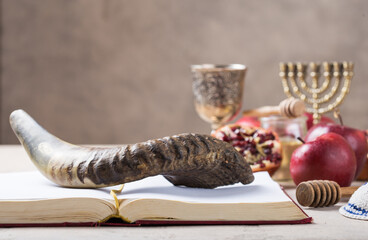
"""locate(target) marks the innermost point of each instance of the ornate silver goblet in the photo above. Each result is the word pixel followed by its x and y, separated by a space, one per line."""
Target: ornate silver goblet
pixel 218 91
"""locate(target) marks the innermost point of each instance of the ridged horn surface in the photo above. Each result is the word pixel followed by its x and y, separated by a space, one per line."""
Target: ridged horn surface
pixel 191 160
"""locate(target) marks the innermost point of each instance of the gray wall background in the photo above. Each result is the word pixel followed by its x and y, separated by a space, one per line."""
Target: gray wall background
pixel 109 71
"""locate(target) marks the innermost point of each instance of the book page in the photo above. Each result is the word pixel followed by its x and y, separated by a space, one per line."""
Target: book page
pixel 263 189
pixel 34 186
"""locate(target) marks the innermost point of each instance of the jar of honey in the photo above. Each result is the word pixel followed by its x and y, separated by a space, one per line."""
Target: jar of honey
pixel 288 131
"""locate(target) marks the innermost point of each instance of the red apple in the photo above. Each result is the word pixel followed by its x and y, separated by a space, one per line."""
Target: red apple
pixel 328 157
pixel 249 122
pixel 354 137
pixel 363 176
pixel 310 124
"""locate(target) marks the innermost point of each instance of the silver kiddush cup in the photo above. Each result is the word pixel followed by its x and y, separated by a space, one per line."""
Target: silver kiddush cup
pixel 218 91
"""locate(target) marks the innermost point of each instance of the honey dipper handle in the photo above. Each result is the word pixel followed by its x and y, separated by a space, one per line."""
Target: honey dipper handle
pixel 348 191
pixel 292 108
pixel 289 107
pixel 262 111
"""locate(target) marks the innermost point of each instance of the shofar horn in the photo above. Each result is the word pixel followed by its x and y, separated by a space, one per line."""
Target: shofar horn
pixel 191 160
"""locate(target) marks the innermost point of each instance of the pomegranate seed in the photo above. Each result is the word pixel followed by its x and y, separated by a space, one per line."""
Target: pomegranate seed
pixel 234 128
pixel 267 150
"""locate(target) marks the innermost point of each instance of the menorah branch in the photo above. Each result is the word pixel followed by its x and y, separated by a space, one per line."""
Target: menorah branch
pixel 319 97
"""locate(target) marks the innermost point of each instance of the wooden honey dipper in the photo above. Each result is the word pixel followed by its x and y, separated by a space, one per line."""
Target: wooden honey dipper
pixel 321 193
pixel 289 107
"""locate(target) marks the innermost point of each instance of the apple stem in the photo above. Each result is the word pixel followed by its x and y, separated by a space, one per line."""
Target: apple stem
pixel 301 139
pixel 338 116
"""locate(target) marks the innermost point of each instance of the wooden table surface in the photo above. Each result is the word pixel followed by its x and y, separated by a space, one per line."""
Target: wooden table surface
pixel 327 222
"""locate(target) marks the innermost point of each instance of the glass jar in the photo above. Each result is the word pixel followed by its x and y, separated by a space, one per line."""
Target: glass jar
pixel 288 130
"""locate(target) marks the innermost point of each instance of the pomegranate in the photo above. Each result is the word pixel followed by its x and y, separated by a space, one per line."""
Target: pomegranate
pixel 260 147
pixel 249 121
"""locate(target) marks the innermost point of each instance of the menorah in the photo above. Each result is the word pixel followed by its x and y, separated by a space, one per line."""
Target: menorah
pixel 319 98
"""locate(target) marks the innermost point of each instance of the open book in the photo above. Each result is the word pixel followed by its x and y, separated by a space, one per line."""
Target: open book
pixel 29 198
